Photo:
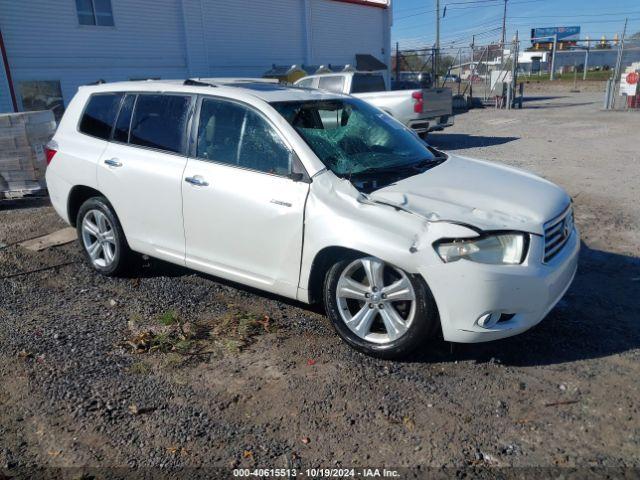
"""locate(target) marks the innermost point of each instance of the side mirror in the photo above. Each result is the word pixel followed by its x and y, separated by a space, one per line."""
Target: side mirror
pixel 296 176
pixel 298 172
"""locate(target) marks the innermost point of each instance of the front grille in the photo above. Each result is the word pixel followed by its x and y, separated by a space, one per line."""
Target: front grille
pixel 556 233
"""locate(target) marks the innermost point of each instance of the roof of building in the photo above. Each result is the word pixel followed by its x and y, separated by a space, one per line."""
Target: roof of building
pixel 260 88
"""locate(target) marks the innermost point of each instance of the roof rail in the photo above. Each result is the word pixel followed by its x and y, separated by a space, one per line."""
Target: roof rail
pixel 197 83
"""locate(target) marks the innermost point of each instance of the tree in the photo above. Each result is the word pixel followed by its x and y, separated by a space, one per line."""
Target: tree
pixel 446 62
pixel 635 36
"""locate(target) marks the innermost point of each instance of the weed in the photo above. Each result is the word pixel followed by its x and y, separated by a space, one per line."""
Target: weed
pixel 235 330
pixel 179 339
pixel 169 318
pixel 140 368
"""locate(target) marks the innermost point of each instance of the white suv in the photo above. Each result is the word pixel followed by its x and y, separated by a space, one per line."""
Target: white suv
pixel 314 196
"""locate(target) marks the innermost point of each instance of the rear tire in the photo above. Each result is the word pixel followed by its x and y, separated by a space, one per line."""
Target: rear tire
pixel 102 238
pixel 379 309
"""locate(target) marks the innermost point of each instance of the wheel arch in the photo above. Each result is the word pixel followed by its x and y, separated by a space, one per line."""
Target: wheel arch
pixel 321 264
pixel 77 196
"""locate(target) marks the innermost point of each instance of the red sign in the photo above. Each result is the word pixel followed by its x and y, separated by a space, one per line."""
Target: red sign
pixel 632 78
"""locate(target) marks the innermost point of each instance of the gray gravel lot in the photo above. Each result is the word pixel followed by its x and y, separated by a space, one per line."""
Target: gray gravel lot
pixel 290 393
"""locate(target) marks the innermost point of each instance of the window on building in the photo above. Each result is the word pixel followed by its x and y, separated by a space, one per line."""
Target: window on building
pixel 367 83
pixel 121 130
pixel 42 95
pixel 236 135
pixel 100 114
pixel 332 84
pixel 95 12
pixel 159 121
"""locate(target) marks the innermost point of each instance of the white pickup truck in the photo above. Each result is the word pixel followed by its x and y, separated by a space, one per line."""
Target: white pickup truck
pixel 423 110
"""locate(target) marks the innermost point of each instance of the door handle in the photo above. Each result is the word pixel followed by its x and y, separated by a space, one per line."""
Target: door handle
pixel 113 162
pixel 197 180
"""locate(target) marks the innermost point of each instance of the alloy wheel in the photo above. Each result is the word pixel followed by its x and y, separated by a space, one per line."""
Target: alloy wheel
pixel 99 238
pixel 377 301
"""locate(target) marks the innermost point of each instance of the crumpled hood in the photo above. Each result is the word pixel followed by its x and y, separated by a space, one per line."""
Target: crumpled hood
pixel 481 194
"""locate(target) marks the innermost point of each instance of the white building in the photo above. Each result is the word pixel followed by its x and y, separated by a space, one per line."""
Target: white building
pixel 53 46
pixel 533 62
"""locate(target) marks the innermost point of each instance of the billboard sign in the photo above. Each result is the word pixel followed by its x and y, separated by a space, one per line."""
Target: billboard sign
pixel 546 35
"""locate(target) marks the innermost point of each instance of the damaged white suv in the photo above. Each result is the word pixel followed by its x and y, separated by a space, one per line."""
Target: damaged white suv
pixel 317 197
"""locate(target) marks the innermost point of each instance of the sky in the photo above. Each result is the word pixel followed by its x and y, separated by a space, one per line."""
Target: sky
pixel 415 20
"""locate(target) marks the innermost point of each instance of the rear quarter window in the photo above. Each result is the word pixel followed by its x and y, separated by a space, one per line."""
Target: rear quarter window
pixel 367 83
pixel 99 115
pixel 306 83
pixel 331 84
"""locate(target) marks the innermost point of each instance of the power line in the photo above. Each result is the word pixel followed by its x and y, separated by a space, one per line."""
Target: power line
pixel 578 15
pixel 451 41
pixel 587 22
pixel 426 12
pixel 493 20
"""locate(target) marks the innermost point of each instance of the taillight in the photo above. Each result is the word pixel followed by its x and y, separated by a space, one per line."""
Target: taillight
pixel 50 150
pixel 418 102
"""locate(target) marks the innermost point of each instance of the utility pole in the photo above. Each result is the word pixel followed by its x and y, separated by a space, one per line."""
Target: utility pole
pixel 473 68
pixel 514 67
pixel 504 22
pixel 398 66
pixel 504 32
pixel 618 70
pixel 552 75
pixel 586 61
pixel 437 49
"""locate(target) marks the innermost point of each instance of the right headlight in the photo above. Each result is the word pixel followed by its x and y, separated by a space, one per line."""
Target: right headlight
pixel 496 249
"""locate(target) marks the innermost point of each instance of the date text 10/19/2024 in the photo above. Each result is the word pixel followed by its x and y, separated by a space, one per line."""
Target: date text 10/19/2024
pixel 316 473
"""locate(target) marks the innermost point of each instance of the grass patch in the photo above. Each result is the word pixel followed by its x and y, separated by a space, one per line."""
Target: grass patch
pixel 179 340
pixel 235 330
pixel 140 368
pixel 596 75
pixel 169 318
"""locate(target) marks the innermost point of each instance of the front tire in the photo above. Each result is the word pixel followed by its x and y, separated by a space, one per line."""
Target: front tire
pixel 379 309
pixel 101 237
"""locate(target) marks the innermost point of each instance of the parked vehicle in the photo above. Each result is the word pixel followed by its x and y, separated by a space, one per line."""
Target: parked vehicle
pixel 315 196
pixel 415 79
pixel 421 109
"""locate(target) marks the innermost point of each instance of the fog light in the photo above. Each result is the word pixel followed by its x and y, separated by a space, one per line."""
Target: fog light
pixel 491 319
pixel 488 320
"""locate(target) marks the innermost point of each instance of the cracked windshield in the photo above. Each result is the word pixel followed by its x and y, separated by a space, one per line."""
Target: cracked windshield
pixel 352 138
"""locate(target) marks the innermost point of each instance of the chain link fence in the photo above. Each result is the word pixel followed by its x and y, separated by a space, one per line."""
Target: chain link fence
pixel 477 75
pixel 492 75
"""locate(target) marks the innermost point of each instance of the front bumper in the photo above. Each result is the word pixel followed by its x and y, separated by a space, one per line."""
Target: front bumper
pixel 464 291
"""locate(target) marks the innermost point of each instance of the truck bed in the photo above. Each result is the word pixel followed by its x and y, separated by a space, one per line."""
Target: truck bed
pixel 436 111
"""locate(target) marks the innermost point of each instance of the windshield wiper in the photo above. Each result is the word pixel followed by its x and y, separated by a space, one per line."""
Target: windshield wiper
pixel 420 166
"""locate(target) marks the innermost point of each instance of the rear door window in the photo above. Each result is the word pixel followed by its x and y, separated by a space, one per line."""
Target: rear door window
pixel 159 121
pixel 332 84
pixel 234 134
pixel 100 114
pixel 367 83
pixel 121 130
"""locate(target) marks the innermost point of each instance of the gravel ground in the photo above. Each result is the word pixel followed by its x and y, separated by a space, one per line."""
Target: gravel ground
pixel 288 392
